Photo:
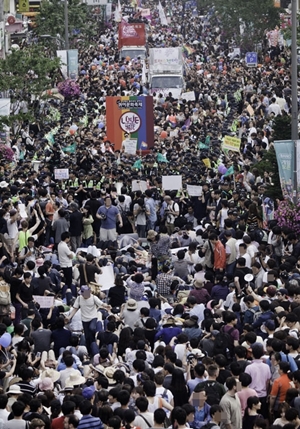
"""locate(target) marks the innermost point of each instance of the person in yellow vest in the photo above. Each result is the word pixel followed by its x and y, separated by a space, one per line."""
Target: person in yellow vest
pixel 26 232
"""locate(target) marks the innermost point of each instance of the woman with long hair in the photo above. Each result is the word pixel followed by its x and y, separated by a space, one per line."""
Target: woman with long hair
pixel 179 388
pixel 124 340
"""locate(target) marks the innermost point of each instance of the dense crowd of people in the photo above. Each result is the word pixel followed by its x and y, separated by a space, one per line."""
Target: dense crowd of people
pixel 201 326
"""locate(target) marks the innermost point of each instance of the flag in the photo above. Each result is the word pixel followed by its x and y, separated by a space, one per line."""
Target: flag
pixel 187 50
pixel 137 164
pixel 118 12
pixel 229 172
pixel 144 78
pixel 162 15
pixel 202 145
pixel 70 149
pixel 161 158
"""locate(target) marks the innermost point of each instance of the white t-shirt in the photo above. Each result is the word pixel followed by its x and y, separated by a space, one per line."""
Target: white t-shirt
pixel 12 228
pixel 63 255
pixel 88 307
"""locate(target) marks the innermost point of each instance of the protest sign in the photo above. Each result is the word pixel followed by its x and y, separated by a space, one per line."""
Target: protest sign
pixel 194 191
pixel 170 183
pixel 61 173
pixel 44 301
pixel 231 143
pixel 139 185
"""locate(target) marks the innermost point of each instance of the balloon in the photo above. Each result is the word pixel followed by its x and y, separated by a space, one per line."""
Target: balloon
pixel 83 72
pixel 164 134
pixel 72 132
pixel 5 340
pixel 222 169
pixel 101 125
pixel 127 58
pixel 122 68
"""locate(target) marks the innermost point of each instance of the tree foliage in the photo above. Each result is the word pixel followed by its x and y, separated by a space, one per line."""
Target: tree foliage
pixel 51 21
pixel 25 75
pixel 253 17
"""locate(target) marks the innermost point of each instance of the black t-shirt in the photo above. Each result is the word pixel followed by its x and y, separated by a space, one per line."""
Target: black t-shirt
pixel 116 296
pixel 240 273
pixel 106 338
pixel 15 284
pixel 26 293
pixel 91 270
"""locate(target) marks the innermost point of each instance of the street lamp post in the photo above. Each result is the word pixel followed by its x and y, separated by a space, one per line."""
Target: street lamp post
pixel 66 25
pixel 294 70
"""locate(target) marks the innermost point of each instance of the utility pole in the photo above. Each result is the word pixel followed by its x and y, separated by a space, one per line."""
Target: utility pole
pixel 294 70
pixel 66 25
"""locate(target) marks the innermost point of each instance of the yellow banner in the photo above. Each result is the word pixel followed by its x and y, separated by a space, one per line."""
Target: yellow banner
pixel 231 143
pixel 206 162
pixel 23 6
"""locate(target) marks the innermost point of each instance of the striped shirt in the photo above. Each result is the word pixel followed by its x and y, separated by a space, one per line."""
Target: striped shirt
pixel 90 422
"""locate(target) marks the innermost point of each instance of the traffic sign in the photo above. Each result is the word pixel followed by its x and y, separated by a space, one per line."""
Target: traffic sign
pixel 251 59
pixel 96 2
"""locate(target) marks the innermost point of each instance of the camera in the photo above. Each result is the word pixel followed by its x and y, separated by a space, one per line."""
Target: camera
pixel 102 216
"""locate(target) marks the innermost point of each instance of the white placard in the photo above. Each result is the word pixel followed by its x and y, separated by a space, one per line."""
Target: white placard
pixel 4 106
pixel 188 96
pixel 36 165
pixel 61 173
pixel 22 211
pixel 130 146
pixel 107 278
pixel 174 133
pixel 44 301
pixel 139 185
pixel 119 186
pixel 170 183
pixel 63 56
pixel 194 191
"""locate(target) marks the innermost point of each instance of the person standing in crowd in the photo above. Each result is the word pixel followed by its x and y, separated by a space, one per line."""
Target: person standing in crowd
pixel 109 216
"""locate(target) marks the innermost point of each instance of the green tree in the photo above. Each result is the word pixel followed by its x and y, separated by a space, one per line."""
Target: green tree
pixel 25 75
pixel 51 21
pixel 246 21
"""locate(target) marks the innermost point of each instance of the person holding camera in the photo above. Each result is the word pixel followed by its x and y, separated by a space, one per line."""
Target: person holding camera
pixel 109 216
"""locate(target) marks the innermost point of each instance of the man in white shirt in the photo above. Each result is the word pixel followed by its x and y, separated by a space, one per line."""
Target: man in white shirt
pixel 65 257
pixel 89 305
pixel 274 108
pixel 243 254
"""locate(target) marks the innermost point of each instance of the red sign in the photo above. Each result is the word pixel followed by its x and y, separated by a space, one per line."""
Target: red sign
pixel 131 34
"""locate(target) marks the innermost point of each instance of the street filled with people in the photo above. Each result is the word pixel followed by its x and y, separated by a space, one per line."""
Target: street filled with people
pixel 127 305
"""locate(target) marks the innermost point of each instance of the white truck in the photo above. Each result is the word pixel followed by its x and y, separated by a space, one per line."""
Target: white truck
pixel 166 69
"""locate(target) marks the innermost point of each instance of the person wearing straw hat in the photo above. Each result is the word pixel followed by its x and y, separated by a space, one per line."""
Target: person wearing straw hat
pixel 13 393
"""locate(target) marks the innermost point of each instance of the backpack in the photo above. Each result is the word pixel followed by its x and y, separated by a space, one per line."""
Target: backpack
pixel 4 293
pixel 212 393
pixel 224 343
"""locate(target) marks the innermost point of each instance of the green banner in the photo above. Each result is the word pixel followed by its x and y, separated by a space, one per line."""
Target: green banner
pixel 73 63
pixel 285 154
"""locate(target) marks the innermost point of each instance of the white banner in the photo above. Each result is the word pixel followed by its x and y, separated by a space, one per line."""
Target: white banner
pixel 63 55
pixel 44 301
pixel 61 173
pixel 130 146
pixel 4 106
pixel 188 96
pixel 194 191
pixel 171 183
pixel 139 185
